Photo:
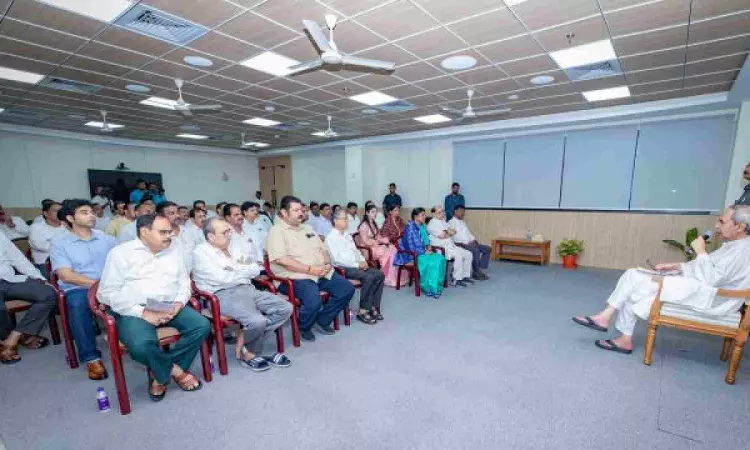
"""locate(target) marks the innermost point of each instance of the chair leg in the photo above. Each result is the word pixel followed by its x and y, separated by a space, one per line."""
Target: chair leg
pixel 398 278
pixel 280 340
pixel 650 341
pixel 725 347
pixel 118 372
pixel 347 316
pixel 417 287
pixel 734 362
pixel 296 341
pixel 221 350
pixel 336 325
pixel 70 348
pixel 54 330
pixel 206 362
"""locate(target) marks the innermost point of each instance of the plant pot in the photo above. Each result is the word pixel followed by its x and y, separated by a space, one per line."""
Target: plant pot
pixel 570 261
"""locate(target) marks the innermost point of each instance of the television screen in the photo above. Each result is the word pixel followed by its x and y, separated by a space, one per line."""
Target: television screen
pixel 119 183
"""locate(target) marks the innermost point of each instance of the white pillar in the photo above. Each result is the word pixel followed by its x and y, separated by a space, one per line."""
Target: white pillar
pixel 740 155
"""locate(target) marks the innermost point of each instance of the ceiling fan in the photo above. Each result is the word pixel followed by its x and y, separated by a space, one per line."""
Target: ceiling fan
pixel 187 109
pixel 469 112
pixel 247 144
pixel 105 128
pixel 331 133
pixel 333 59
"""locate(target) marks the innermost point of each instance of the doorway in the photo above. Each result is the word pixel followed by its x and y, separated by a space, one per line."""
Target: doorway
pixel 275 175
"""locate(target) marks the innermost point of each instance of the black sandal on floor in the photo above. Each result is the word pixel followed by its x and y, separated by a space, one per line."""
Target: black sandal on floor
pixel 365 318
pixel 151 395
pixel 33 342
pixel 376 315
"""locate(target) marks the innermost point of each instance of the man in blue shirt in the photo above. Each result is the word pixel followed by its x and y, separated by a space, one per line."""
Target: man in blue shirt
pixel 392 198
pixel 137 195
pixel 156 193
pixel 78 260
pixel 452 200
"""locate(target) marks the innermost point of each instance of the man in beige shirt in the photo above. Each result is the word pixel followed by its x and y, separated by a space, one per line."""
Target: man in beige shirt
pixel 296 252
pixel 124 214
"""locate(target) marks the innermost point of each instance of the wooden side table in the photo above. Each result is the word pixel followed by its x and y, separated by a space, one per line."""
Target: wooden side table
pixel 499 251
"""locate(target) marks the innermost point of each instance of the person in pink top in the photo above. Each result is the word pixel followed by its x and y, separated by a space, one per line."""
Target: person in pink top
pixel 382 249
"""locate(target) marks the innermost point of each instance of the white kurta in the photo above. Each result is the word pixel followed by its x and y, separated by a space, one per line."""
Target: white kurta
pixel 353 224
pixel 461 257
pixel 20 231
pixel 726 268
pixel 40 240
pixel 257 233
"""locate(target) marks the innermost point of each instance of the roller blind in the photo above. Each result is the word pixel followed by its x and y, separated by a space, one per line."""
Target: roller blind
pixel 478 166
pixel 533 166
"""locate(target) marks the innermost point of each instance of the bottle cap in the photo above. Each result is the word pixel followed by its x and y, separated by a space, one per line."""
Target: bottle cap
pixel 99 389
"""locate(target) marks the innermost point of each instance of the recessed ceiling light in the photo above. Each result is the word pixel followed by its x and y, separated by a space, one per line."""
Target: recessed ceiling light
pixel 433 118
pixel 373 98
pixel 138 88
pixel 459 62
pixel 21 76
pixel 607 94
pixel 104 10
pixel 256 144
pixel 513 97
pixel 2 109
pixel 513 2
pixel 96 124
pixel 272 63
pixel 198 61
pixel 542 79
pixel 584 54
pixel 261 122
pixel 370 111
pixel 159 102
pixel 192 136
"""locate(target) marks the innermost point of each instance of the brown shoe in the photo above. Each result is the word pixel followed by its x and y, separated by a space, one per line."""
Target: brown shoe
pixel 97 371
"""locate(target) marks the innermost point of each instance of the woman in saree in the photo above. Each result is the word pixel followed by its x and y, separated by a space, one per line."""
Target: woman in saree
pixel 394 225
pixel 381 248
pixel 431 265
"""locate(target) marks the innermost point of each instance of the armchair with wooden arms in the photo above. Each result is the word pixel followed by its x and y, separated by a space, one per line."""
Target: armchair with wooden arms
pixel 733 327
pixel 410 268
pixel 220 321
pixel 167 336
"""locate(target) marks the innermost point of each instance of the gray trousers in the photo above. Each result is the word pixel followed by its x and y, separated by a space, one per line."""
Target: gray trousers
pixel 43 300
pixel 481 255
pixel 260 313
pixel 372 286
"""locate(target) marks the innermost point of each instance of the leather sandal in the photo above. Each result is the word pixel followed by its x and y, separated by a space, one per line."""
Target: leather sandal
pixel 152 396
pixel 365 318
pixel 9 355
pixel 33 342
pixel 183 380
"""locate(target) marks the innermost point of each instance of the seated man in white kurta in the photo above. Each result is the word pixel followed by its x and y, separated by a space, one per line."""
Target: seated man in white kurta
pixel 440 236
pixel 694 288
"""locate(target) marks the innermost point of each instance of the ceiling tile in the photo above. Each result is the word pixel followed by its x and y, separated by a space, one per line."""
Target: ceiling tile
pixel 411 20
pixel 23 49
pixel 648 76
pixel 702 9
pixel 352 37
pixel 317 78
pixel 292 12
pixel 300 49
pixel 584 31
pixel 221 83
pixel 652 60
pixel 537 14
pixel 493 26
pixel 172 70
pixel 375 81
pixel 94 65
pixel 104 52
pixel 418 71
pixel 245 74
pixel 150 78
pixel 70 73
pixel 452 10
pixel 178 55
pixel 352 7
pixel 481 75
pixel 259 92
pixel 225 47
pixel 440 84
pixel 551 90
pixel 527 66
pixel 710 89
pixel 205 12
pixel 387 53
pixel 426 99
pixel 520 47
pixel 542 102
pixel 404 91
pixel 653 40
pixel 133 41
pixel 18 63
pixel 720 77
pixel 648 16
pixel 317 95
pixel 255 30
pixel 717 48
pixel 715 65
pixel 58 19
pixel 458 94
pixel 659 86
pixel 720 28
pixel 499 86
pixel 599 83
pixel 285 85
pixel 424 45
pixel 293 101
pixel 37 35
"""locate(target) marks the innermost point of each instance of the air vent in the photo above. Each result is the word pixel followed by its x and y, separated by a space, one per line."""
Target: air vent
pixel 61 84
pixel 592 71
pixel 157 24
pixel 396 106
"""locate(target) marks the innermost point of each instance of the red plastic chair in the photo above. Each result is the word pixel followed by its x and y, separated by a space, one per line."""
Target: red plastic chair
pixel 324 296
pixel 219 322
pixel 167 337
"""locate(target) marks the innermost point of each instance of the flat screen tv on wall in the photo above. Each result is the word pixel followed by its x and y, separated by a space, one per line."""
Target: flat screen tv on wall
pixel 119 183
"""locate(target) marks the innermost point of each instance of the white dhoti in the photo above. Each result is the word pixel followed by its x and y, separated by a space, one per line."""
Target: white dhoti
pixel 462 260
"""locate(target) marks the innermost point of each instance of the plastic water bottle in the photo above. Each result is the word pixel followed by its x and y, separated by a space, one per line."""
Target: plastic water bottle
pixel 102 399
pixel 528 235
pixel 211 363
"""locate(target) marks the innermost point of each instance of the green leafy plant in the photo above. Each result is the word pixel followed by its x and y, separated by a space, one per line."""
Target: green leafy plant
pixel 568 247
pixel 690 236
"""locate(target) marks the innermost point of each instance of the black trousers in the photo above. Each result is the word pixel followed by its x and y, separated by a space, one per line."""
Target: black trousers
pixel 372 286
pixel 43 300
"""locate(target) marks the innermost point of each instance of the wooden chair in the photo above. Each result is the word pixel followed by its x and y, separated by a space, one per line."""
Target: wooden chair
pixel 220 321
pixel 733 327
pixel 167 336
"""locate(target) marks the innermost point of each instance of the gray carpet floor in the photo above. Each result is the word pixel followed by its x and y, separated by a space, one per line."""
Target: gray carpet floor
pixel 499 365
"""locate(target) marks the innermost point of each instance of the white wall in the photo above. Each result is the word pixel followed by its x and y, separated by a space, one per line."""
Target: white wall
pixel 320 175
pixel 34 167
pixel 736 183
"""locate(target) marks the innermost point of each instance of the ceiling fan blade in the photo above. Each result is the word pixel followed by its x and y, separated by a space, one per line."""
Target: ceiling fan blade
pixel 319 38
pixel 448 110
pixel 491 112
pixel 204 107
pixel 364 63
pixel 307 66
pixel 185 112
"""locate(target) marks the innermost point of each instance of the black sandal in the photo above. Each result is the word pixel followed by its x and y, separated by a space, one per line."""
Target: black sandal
pixel 365 318
pixel 33 342
pixel 376 315
pixel 152 396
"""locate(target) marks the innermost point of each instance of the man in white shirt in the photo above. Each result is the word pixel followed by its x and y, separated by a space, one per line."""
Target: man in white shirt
pixel 254 228
pixel 269 215
pixel 320 220
pixel 180 238
pixel 102 220
pixel 128 232
pixel 259 199
pixel 194 225
pixel 146 285
pixel 200 204
pixel 40 217
pixel 440 236
pixel 20 280
pixel 463 238
pixel 345 254
pixel 694 288
pixel 124 214
pixel 219 270
pixel 13 227
pixel 352 218
pixel 184 214
pixel 42 234
pixel 240 243
pixel 100 198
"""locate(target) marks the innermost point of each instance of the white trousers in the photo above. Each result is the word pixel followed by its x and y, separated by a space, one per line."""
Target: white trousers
pixel 462 260
pixel 634 289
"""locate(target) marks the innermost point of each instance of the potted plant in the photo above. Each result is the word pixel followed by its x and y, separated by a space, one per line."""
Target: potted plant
pixel 690 236
pixel 569 249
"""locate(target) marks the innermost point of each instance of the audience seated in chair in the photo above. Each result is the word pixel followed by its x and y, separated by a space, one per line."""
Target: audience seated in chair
pixel 194 225
pixel 78 260
pixel 320 219
pixel 40 217
pixel 146 285
pixel 352 218
pixel 344 254
pixel 379 217
pixel 295 252
pixel 28 285
pixel 42 234
pixel 184 214
pixel 694 288
pixel 463 238
pixel 381 248
pixel 13 227
pixel 431 265
pixel 440 236
pixel 128 231
pixel 102 220
pixel 181 240
pixel 254 228
pixel 394 225
pixel 124 214
pixel 268 216
pixel 219 270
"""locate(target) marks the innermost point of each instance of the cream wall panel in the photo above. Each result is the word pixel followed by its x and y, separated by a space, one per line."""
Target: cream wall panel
pixel 320 175
pixel 108 156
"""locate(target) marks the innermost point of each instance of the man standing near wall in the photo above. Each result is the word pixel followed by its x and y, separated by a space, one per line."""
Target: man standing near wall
pixel 392 198
pixel 453 200
pixel 745 197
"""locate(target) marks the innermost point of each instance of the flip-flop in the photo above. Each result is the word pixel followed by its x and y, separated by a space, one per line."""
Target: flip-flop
pixel 612 347
pixel 588 322
pixel 39 342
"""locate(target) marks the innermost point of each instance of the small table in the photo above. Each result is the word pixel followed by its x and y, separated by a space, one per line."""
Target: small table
pixel 499 252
